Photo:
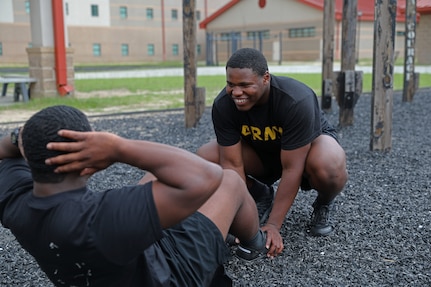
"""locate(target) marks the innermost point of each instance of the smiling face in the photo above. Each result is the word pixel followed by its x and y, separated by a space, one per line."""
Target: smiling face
pixel 246 88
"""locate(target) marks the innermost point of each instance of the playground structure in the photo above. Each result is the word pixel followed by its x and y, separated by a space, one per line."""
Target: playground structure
pixel 347 86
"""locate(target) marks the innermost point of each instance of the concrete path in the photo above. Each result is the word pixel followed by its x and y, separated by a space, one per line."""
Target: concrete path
pixel 204 71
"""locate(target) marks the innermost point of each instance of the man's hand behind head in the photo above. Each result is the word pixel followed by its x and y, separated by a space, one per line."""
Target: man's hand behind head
pixel 88 153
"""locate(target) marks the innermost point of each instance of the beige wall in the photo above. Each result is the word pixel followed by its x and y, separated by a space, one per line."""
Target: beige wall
pixel 136 31
pixel 15 38
pixel 285 15
pixel 278 16
pixel 423 40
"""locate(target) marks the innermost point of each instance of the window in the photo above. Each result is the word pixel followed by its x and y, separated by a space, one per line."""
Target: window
pixel 95 10
pixel 230 36
pixel 198 15
pixel 97 50
pixel 198 49
pixel 150 49
pixel 1 49
pixel 302 32
pixel 123 12
pixel 66 8
pixel 124 50
pixel 174 14
pixel 150 13
pixel 252 35
pixel 27 6
pixel 175 49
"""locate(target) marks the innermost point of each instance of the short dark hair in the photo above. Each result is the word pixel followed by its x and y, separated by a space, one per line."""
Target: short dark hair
pixel 248 58
pixel 43 128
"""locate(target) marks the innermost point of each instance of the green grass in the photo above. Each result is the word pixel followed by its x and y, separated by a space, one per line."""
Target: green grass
pixel 164 92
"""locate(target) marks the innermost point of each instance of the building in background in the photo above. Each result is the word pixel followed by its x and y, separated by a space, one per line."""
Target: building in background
pixel 137 31
pixel 108 31
pixel 292 30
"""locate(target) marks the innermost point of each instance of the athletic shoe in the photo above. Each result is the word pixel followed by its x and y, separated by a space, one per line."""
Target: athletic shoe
pixel 321 221
pixel 264 205
pixel 231 240
pixel 250 253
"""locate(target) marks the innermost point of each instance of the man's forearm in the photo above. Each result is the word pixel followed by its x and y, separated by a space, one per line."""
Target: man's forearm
pixel 283 200
pixel 169 164
pixel 172 166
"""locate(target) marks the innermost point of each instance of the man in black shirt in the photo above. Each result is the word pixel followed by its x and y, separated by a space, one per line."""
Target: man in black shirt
pixel 270 128
pixel 168 230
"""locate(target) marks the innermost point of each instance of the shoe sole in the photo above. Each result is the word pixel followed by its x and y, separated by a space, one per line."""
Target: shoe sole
pixel 248 255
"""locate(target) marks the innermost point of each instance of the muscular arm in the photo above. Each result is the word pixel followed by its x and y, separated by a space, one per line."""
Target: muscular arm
pixel 293 163
pixel 184 180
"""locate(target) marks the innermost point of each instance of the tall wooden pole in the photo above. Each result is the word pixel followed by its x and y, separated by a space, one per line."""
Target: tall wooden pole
pixel 348 80
pixel 328 55
pixel 348 41
pixel 410 78
pixel 383 71
pixel 194 98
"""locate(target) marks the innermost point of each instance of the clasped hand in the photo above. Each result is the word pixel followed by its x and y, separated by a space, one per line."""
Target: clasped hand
pixel 88 153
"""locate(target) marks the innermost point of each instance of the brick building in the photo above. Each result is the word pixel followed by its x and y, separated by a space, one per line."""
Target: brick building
pixel 291 30
pixel 107 31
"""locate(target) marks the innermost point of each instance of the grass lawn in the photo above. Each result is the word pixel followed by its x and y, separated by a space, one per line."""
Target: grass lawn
pixel 97 95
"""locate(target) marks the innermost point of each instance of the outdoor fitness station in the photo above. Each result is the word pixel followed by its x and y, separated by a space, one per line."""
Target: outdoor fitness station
pixel 49 50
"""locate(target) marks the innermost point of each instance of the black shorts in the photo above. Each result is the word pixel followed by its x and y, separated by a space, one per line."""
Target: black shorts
pixel 272 164
pixel 194 249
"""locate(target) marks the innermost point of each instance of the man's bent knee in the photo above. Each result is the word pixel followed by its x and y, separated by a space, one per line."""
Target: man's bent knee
pixel 209 151
pixel 234 183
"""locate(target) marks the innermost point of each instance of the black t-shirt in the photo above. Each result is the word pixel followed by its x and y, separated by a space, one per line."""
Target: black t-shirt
pixel 290 119
pixel 85 238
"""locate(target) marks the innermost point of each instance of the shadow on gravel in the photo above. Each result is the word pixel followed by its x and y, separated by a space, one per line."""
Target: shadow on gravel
pixel 383 233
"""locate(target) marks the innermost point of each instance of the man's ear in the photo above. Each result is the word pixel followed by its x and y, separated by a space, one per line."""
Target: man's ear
pixel 266 78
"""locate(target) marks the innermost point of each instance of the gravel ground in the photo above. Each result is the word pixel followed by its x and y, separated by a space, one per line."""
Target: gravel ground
pixel 383 220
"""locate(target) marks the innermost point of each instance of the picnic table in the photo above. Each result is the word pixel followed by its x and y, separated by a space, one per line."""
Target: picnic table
pixel 22 86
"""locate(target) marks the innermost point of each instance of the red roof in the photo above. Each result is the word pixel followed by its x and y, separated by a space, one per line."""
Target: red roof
pixel 422 6
pixel 217 13
pixel 366 7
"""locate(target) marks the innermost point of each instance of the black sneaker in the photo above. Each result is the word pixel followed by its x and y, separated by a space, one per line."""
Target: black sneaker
pixel 251 253
pixel 264 205
pixel 321 223
pixel 231 240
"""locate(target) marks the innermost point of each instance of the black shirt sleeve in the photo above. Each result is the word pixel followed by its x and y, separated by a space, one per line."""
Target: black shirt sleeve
pixel 127 222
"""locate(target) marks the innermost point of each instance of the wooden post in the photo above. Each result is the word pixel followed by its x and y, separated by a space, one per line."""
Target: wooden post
pixel 328 55
pixel 347 96
pixel 193 96
pixel 409 52
pixel 348 39
pixel 383 70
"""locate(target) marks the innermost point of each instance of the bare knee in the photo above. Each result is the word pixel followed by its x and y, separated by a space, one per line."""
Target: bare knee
pixel 209 151
pixel 327 169
pixel 325 180
pixel 234 184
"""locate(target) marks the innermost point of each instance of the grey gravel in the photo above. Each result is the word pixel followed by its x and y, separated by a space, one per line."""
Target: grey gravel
pixel 382 235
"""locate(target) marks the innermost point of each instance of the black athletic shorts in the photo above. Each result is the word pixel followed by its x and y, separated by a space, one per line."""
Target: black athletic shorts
pixel 272 164
pixel 194 249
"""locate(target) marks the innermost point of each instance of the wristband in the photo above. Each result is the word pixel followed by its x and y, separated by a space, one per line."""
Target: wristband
pixel 14 135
